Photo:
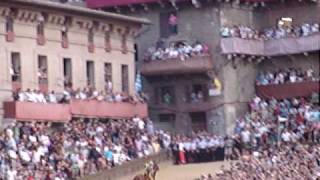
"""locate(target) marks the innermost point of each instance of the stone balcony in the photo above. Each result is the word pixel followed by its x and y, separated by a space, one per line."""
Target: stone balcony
pixel 274 47
pixel 288 90
pixel 197 64
pixel 28 111
pixel 97 109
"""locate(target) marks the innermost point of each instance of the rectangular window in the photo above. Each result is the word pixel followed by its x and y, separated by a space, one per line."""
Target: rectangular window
pixel 40 28
pixel 124 44
pixel 40 33
pixel 168 24
pixel 136 53
pixel 9 29
pixel 167 95
pixel 166 118
pixel 90 73
pixel 125 78
pixel 9 24
pixel 107 42
pixel 15 69
pixel 199 121
pixel 108 76
pixel 42 70
pixel 197 93
pixel 91 41
pixel 91 36
pixel 67 72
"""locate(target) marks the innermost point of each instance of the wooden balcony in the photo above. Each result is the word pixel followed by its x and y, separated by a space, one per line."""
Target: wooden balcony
pixel 198 64
pixel 91 108
pixel 26 111
pixel 288 90
pixel 274 47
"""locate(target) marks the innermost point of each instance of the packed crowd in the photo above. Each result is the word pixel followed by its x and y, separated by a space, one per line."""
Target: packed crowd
pixel 38 96
pixel 34 151
pixel 182 50
pixel 277 139
pixel 289 75
pixel 196 148
pixel 290 161
pixel 279 32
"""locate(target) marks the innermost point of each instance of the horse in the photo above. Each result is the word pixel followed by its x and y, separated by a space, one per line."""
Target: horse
pixel 142 177
pixel 149 175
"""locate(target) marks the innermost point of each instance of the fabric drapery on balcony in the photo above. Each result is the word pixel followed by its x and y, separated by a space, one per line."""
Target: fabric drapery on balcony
pixel 272 47
pixel 289 90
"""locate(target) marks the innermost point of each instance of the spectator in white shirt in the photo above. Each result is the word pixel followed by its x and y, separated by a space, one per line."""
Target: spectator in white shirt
pixel 52 97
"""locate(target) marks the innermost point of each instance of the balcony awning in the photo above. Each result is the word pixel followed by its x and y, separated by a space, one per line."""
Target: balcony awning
pixel 273 47
pixel 289 90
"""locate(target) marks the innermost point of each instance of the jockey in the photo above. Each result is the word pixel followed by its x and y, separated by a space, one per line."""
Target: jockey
pixel 150 169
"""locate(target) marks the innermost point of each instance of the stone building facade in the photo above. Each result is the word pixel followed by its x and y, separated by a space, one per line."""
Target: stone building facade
pixel 70 45
pixel 203 21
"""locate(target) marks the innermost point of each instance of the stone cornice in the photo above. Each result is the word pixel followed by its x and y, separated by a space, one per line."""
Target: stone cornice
pixel 76 21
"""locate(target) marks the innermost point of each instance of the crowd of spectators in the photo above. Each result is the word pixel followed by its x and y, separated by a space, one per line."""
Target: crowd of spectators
pixel 197 148
pixel 246 32
pixel 181 49
pixel 289 75
pixel 277 139
pixel 88 93
pixel 33 151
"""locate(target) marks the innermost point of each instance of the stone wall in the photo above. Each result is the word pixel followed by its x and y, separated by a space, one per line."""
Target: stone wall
pixel 238 82
pixel 25 43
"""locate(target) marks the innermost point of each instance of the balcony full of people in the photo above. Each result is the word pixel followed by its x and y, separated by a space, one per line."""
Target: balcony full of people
pixel 279 32
pixel 68 94
pixel 288 75
pixel 175 50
